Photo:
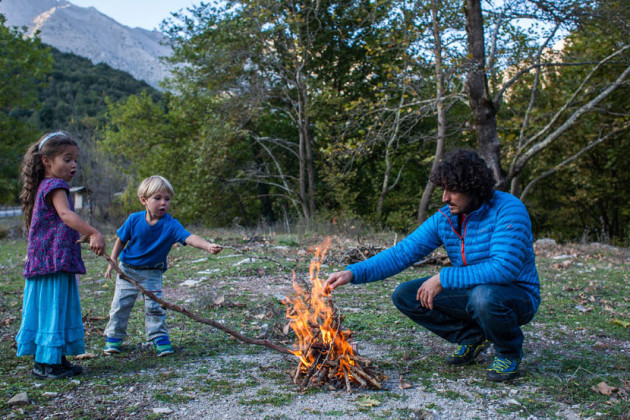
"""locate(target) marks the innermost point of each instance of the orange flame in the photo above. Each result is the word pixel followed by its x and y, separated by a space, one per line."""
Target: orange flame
pixel 319 337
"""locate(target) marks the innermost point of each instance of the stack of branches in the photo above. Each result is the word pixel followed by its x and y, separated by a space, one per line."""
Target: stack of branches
pixel 360 253
pixel 327 355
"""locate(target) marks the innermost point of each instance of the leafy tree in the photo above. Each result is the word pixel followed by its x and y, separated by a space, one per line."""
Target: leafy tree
pixel 589 183
pixel 292 62
pixel 24 64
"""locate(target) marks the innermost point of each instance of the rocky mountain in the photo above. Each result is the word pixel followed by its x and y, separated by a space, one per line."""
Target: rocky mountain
pixel 91 34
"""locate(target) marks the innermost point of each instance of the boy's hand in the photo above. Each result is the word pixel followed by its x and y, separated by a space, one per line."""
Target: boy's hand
pixel 108 272
pixel 214 248
pixel 97 243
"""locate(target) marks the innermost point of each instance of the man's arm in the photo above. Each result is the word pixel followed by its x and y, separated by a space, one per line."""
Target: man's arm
pixel 420 243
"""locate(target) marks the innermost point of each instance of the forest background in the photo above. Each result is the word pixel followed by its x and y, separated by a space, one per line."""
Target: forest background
pixel 284 111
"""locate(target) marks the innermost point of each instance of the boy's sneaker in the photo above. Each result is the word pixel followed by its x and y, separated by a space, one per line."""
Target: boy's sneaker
pixel 75 369
pixel 112 345
pixel 46 371
pixel 466 353
pixel 163 346
pixel 503 369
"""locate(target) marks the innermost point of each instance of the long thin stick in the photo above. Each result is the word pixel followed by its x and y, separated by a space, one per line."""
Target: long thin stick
pixel 192 315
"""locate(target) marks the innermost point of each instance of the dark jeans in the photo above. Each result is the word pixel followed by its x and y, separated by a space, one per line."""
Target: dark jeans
pixel 468 316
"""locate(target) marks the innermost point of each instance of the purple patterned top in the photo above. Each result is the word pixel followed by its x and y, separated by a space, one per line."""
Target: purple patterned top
pixel 52 245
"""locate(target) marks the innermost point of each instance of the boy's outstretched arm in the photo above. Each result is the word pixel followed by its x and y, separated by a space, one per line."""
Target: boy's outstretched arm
pixel 198 242
pixel 118 247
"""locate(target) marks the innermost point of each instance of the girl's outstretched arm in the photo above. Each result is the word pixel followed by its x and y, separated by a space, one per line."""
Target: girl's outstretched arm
pixel 70 218
pixel 198 242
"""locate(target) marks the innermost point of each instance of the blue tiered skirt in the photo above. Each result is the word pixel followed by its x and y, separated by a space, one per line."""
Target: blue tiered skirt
pixel 52 325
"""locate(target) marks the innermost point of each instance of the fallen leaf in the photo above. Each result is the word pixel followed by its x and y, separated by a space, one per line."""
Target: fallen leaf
pixel 8 321
pixel 286 328
pixel 604 389
pixel 219 300
pixel 86 356
pixel 624 324
pixel 402 384
pixel 367 402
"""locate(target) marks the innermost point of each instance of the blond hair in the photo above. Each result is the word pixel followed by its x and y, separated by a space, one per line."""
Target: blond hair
pixel 154 184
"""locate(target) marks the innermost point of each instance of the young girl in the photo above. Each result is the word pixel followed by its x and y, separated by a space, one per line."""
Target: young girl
pixel 51 313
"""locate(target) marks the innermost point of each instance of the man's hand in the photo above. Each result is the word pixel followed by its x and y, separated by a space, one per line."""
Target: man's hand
pixel 429 289
pixel 337 279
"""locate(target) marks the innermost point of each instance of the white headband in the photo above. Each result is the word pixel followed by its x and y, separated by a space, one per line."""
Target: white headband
pixel 51 135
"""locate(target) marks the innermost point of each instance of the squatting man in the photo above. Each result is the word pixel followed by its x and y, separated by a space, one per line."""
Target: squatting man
pixel 492 287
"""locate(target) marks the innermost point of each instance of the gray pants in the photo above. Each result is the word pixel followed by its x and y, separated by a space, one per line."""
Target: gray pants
pixel 124 298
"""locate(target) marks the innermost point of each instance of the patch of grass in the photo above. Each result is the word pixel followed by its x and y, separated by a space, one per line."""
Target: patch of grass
pixel 172 398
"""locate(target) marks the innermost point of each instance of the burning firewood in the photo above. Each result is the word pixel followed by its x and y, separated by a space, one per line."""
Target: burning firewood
pixel 324 349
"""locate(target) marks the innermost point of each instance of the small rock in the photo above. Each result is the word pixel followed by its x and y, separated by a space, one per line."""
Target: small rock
pixel 162 410
pixel 51 394
pixel 76 382
pixel 19 399
pixel 245 261
pixel 280 297
pixel 192 282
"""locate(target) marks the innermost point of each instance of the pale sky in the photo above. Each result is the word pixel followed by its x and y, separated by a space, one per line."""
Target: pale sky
pixel 145 14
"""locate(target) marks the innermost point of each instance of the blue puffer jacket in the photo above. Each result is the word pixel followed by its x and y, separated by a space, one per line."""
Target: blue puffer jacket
pixel 494 246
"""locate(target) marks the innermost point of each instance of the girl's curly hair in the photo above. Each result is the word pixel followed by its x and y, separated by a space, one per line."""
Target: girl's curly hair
pixel 464 171
pixel 33 171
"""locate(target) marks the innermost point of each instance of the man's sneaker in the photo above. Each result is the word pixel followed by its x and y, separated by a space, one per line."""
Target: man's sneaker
pixel 503 369
pixel 163 346
pixel 112 345
pixel 466 353
pixel 75 369
pixel 46 371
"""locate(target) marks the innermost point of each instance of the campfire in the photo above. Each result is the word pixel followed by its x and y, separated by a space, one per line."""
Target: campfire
pixel 325 351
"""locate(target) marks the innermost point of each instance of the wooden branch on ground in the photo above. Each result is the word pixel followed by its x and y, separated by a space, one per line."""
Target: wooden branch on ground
pixel 190 314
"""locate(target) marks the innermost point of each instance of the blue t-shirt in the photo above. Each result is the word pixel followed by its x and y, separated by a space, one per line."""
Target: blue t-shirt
pixel 148 246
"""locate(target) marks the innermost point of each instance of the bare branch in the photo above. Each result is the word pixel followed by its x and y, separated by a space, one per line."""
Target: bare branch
pixel 190 314
pixel 569 160
pixel 525 157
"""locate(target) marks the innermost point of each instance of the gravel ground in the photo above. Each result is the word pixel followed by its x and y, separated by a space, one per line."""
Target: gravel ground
pixel 474 398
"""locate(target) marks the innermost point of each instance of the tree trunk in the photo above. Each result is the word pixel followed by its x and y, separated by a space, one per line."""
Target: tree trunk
pixel 441 114
pixel 484 113
pixel 307 167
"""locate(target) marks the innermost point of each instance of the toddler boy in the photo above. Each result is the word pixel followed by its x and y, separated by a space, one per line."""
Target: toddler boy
pixel 143 243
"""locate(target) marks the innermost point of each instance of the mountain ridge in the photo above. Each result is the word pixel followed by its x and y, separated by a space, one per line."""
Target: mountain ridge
pixel 87 32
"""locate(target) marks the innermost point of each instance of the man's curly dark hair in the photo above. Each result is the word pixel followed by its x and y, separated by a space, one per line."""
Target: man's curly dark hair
pixel 464 171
